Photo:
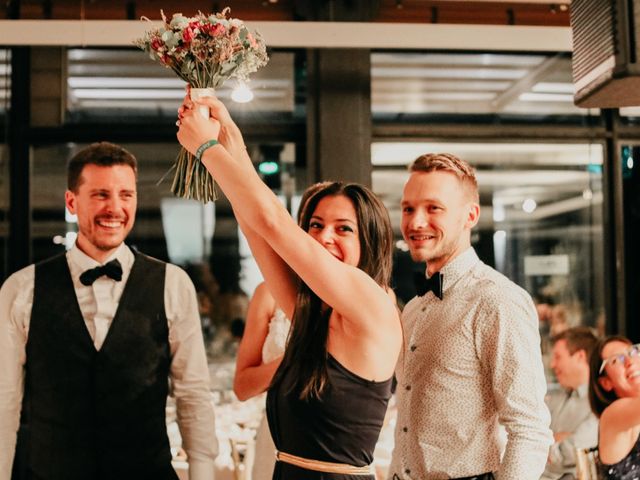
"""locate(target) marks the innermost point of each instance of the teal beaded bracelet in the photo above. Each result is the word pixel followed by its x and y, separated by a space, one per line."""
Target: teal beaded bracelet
pixel 205 146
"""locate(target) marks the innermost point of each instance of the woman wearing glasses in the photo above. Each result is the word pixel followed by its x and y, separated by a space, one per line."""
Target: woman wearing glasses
pixel 614 393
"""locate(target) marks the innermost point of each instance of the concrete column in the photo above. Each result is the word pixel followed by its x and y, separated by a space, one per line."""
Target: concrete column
pixel 339 115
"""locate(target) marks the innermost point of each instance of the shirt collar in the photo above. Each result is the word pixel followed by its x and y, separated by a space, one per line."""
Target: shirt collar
pixel 582 390
pixel 456 268
pixel 84 262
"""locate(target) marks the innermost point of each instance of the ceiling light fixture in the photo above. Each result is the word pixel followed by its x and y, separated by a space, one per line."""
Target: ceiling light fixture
pixel 241 93
pixel 529 205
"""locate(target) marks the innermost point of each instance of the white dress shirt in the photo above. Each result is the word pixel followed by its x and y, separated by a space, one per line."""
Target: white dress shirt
pixel 471 369
pixel 98 303
pixel 570 412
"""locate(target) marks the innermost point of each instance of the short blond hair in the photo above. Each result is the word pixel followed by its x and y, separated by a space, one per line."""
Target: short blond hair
pixel 433 162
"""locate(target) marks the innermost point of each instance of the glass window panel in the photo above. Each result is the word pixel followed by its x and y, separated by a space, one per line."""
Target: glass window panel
pixel 630 115
pixel 5 82
pixel 463 83
pixel 5 98
pixel 629 157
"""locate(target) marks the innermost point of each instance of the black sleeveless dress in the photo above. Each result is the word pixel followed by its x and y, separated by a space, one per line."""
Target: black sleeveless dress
pixel 342 427
pixel 626 469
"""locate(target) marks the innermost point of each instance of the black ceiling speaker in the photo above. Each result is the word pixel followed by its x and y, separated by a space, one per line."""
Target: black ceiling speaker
pixel 606 73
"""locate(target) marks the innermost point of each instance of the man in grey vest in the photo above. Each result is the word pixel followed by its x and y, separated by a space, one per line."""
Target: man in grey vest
pixel 89 340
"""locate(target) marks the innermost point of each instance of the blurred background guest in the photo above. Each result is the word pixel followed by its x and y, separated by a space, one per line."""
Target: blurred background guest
pixel 572 422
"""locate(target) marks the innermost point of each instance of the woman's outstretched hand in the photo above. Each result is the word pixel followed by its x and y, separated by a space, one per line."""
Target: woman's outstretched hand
pixel 229 136
pixel 194 129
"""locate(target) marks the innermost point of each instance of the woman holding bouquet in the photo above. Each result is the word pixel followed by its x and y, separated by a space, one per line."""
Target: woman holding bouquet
pixel 328 398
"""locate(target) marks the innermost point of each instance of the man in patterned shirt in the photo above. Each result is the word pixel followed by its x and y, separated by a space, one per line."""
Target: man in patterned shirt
pixel 472 370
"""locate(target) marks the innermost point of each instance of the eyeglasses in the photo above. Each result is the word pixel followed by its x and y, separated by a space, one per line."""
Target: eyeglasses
pixel 619 358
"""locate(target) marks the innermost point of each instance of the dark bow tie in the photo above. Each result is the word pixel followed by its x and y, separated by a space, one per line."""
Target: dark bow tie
pixel 111 269
pixel 424 284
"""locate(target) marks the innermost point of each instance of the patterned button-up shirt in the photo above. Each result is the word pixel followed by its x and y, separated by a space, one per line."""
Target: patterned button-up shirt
pixel 471 372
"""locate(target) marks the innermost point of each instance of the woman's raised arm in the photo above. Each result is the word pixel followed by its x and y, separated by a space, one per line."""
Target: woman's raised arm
pixel 280 278
pixel 335 282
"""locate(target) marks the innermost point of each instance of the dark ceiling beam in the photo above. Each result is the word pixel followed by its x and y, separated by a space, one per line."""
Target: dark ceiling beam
pixel 13 9
pixel 120 132
pixel 459 131
pixel 131 11
pixel 473 12
pixel 337 10
pixel 47 9
pixel 388 11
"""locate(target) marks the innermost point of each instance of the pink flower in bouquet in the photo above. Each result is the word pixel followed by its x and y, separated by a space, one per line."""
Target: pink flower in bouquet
pixel 252 41
pixel 214 30
pixel 157 45
pixel 188 35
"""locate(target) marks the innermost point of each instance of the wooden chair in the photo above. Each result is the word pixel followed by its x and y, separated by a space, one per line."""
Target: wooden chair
pixel 586 459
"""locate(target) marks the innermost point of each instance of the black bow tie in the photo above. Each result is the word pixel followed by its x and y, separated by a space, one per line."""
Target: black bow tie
pixel 111 269
pixel 424 284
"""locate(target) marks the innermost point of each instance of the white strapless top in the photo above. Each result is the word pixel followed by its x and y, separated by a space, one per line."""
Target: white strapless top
pixel 276 340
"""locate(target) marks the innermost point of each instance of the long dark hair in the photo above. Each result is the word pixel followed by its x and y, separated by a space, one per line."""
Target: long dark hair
pixel 599 398
pixel 306 352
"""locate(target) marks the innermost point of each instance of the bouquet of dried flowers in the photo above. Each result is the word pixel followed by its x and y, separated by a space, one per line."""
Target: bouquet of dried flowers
pixel 204 51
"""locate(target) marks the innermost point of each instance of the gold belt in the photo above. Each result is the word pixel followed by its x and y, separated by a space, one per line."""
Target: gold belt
pixel 325 467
